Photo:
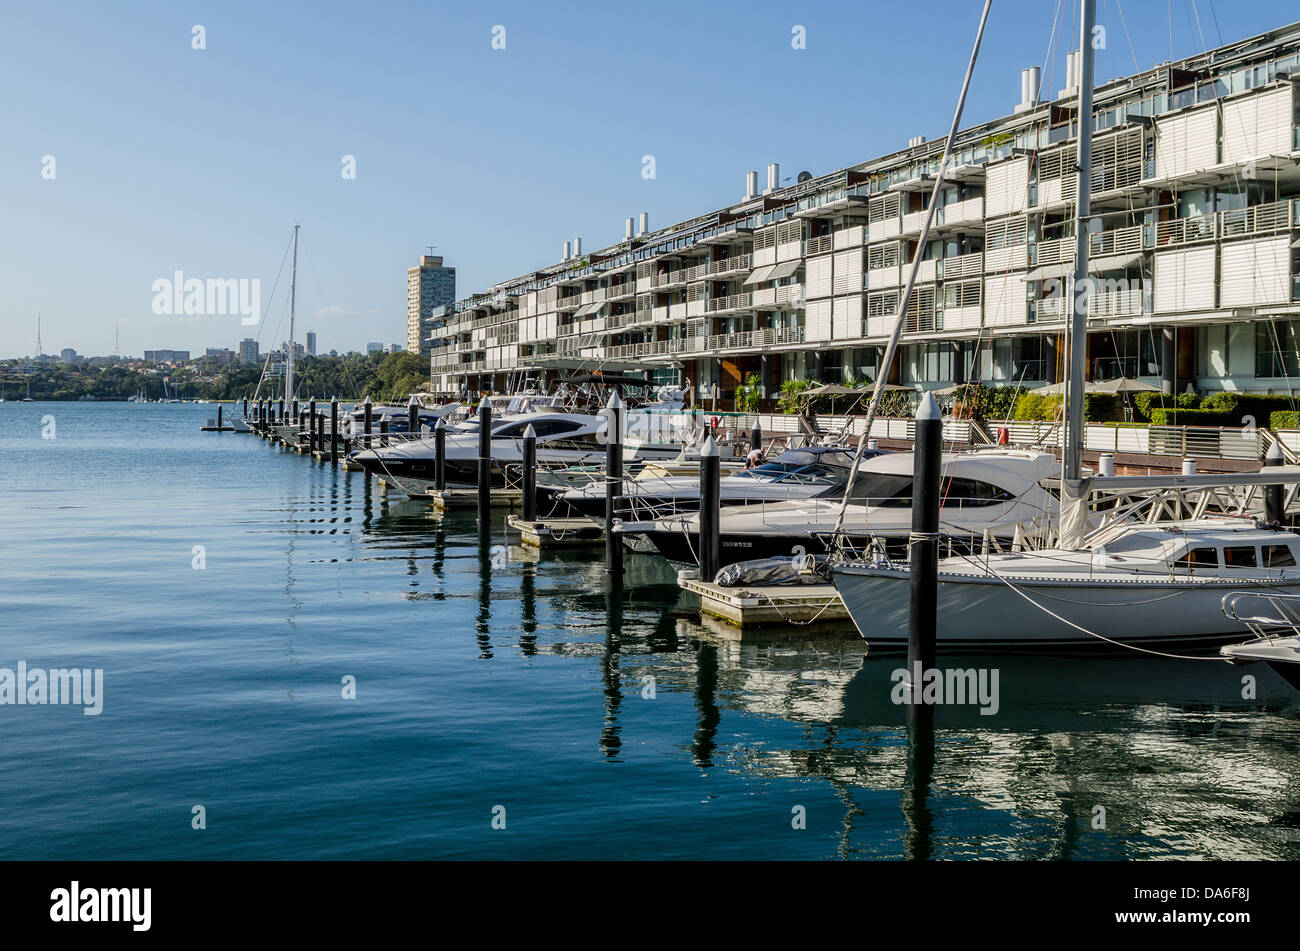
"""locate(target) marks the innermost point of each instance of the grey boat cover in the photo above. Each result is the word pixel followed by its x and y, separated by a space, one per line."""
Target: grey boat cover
pixel 796 569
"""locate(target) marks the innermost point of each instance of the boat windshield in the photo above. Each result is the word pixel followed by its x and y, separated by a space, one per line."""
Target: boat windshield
pixel 881 488
pixel 891 490
pixel 790 474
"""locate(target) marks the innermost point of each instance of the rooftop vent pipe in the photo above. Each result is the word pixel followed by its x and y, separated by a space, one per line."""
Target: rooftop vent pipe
pixel 773 178
pixel 1071 75
pixel 1030 82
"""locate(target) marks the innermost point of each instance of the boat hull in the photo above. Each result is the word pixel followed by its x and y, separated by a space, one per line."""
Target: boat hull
pixel 976 611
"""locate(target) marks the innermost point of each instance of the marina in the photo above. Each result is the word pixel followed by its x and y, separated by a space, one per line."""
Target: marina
pixel 313 573
pixel 938 511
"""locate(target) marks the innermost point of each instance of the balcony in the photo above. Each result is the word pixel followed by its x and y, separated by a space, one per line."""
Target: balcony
pixel 1116 241
pixel 790 295
pixel 1055 251
pixel 1121 303
pixel 968 212
pixel 852 237
pixel 963 265
pixel 1185 230
pixel 743 340
pixel 731 265
pixel 670 278
pixel 730 302
pixel 821 245
pixel 913 222
pixel 1256 219
pixel 623 351
pixel 1049 309
pixel 883 277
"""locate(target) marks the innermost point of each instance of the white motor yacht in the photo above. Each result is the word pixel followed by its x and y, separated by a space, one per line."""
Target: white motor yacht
pixel 1131 583
pixel 791 475
pixel 563 440
pixel 988 492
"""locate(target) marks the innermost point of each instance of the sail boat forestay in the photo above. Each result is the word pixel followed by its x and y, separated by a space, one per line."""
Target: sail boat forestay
pixel 293 300
pixel 1126 584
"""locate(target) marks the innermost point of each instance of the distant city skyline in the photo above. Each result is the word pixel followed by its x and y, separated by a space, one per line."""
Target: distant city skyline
pixel 138 156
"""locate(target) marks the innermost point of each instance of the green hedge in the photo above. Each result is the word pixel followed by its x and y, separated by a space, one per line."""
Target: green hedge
pixel 1097 407
pixel 1037 406
pixel 987 402
pixel 1240 405
pixel 1144 403
pixel 1192 417
pixel 1284 419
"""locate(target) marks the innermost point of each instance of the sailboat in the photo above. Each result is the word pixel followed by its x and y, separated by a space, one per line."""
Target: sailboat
pixel 1123 584
pixel 243 425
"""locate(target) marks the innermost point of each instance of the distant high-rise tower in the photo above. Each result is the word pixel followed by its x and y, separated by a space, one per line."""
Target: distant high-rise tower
pixel 428 285
pixel 311 343
pixel 249 351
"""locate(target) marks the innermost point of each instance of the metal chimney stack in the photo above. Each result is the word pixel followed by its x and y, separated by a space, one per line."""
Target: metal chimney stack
pixel 566 252
pixel 577 247
pixel 1071 75
pixel 1030 82
pixel 645 222
pixel 773 178
pixel 751 185
pixel 627 229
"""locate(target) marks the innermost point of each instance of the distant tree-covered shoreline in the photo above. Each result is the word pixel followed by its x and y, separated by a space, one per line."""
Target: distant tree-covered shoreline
pixel 381 376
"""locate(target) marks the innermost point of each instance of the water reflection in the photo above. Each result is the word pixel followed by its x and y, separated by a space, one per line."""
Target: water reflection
pixel 1180 763
pixel 916 782
pixel 706 704
pixel 484 615
pixel 610 743
pixel 528 608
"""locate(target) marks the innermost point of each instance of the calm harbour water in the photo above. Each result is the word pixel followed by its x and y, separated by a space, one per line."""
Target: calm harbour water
pixel 514 685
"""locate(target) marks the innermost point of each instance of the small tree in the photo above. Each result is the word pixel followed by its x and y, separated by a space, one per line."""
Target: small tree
pixel 749 395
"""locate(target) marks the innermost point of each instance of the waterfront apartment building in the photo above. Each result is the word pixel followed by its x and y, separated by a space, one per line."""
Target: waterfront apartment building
pixel 249 351
pixel 311 343
pixel 1195 201
pixel 429 285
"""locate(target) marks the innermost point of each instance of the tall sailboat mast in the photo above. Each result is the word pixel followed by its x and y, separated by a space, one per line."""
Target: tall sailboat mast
pixel 293 293
pixel 1078 329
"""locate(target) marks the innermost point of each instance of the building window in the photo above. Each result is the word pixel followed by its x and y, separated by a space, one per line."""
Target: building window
pixel 927 363
pixel 1277 348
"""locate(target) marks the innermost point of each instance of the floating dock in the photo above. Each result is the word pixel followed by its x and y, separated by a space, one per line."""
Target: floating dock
pixel 753 606
pixel 558 532
pixel 457 499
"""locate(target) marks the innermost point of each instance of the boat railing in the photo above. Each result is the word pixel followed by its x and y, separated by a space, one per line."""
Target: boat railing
pixel 1283 619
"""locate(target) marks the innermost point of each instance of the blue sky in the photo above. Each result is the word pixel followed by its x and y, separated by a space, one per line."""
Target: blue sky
pixel 169 158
